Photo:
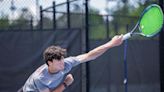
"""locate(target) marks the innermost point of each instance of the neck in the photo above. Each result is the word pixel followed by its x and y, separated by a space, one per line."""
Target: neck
pixel 51 71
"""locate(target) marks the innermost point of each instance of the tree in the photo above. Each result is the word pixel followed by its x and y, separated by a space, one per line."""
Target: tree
pixel 23 21
pixel 4 22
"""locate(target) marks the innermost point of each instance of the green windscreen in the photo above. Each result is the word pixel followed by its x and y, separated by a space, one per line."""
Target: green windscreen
pixel 151 21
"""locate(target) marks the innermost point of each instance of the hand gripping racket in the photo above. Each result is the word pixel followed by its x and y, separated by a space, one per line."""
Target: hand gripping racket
pixel 149 24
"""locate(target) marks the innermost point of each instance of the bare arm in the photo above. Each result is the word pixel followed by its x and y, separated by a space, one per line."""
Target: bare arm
pixel 67 82
pixel 93 54
pixel 60 88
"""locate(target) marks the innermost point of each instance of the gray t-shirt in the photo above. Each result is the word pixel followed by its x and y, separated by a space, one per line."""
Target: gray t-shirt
pixel 41 79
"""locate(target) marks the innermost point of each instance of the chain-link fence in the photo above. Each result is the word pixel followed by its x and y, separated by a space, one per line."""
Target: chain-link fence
pixel 25 14
pixel 17 14
pixel 21 14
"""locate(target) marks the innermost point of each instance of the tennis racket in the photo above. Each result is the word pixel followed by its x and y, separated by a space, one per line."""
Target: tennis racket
pixel 149 24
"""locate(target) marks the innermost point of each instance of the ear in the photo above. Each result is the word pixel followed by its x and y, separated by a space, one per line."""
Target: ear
pixel 50 63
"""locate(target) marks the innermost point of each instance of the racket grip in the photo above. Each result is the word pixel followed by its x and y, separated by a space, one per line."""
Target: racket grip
pixel 126 36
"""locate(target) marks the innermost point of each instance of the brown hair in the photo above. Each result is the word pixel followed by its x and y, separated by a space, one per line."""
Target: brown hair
pixel 53 52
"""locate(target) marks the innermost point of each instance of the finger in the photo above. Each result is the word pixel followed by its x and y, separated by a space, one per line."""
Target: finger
pixel 120 37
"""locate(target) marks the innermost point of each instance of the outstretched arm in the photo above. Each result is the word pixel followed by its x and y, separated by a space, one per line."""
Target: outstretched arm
pixel 93 54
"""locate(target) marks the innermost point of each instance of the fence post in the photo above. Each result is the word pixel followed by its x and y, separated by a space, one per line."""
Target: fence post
pixel 127 28
pixel 41 18
pixel 161 51
pixel 107 26
pixel 68 14
pixel 31 23
pixel 87 44
pixel 54 15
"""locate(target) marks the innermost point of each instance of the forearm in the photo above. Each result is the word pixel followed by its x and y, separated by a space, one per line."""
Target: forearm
pixel 60 88
pixel 116 41
pixel 93 54
pixel 67 82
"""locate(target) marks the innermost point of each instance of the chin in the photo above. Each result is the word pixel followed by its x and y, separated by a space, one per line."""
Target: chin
pixel 62 68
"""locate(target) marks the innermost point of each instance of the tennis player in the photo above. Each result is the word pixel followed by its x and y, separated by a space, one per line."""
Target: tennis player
pixel 54 75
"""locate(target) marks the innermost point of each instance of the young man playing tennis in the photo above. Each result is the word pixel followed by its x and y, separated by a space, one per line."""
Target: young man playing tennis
pixel 53 76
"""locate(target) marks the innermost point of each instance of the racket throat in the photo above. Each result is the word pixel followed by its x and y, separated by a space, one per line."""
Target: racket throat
pixel 127 36
pixel 133 34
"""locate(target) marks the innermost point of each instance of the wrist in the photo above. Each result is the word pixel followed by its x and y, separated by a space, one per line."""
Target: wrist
pixel 109 45
pixel 65 85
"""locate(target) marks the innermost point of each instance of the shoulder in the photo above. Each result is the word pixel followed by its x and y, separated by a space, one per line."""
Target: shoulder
pixel 70 62
pixel 73 61
pixel 40 74
pixel 36 79
pixel 71 58
pixel 40 71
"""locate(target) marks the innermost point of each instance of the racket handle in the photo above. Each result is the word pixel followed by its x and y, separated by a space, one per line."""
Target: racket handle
pixel 126 36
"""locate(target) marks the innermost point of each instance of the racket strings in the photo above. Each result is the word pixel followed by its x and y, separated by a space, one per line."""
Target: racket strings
pixel 152 21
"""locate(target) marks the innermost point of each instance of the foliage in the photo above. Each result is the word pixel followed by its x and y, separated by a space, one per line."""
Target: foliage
pixel 4 22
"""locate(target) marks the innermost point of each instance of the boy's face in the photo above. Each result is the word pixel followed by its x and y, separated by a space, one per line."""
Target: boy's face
pixel 57 65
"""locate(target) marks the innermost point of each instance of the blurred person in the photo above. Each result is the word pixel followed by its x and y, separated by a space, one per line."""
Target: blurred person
pixel 53 76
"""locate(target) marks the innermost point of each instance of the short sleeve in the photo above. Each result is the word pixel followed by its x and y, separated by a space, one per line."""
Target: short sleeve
pixel 40 85
pixel 73 61
pixel 70 62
